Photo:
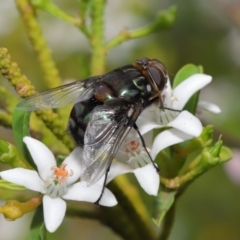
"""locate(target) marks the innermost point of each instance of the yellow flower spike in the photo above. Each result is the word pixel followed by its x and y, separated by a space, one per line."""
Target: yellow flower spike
pixel 11 71
pixel 13 209
pixel 48 66
pixel 24 88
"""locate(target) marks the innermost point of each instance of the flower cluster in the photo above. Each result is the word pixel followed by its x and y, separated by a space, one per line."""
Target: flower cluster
pixel 56 183
pixel 62 183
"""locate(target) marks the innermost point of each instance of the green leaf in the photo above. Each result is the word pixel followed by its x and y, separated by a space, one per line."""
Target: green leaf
pixel 20 125
pixel 163 203
pixel 185 72
pixel 38 230
pixel 10 186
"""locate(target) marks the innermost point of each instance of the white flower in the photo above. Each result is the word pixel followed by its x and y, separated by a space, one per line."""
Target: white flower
pixel 134 159
pixel 210 107
pixel 56 183
pixel 184 126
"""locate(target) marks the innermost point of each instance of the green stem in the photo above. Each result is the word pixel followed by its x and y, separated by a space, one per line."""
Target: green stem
pixel 168 223
pixel 206 160
pixel 97 38
pixel 5 119
pixel 106 216
pixel 164 20
pixel 7 100
pixel 51 74
pixel 134 209
pixel 52 9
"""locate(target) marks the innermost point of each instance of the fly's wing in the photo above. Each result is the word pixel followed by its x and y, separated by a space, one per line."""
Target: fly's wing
pixel 106 130
pixel 59 96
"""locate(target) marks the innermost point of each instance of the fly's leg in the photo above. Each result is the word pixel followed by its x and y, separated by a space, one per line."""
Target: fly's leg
pixel 162 106
pixel 103 187
pixel 145 147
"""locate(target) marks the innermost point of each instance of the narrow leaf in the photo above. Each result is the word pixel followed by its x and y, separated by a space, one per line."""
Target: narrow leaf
pixel 20 125
pixel 38 230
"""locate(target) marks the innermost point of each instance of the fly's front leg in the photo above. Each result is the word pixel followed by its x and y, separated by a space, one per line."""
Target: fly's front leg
pixel 161 105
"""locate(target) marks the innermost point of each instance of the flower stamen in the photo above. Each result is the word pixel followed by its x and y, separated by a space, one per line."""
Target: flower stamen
pixel 136 153
pixel 60 173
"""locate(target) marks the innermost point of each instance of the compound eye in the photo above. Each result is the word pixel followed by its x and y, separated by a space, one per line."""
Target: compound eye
pixel 158 77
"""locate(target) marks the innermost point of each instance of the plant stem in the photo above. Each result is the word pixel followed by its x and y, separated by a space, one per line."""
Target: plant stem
pixel 168 223
pixel 131 204
pixel 51 74
pixel 97 38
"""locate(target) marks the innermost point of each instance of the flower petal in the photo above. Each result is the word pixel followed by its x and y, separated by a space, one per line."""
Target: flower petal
pixel 148 113
pixel 167 93
pixel 145 125
pixel 116 169
pixel 73 162
pixel 166 139
pixel 42 156
pixel 90 194
pixel 209 107
pixel 188 87
pixel 188 123
pixel 148 178
pixel 54 211
pixel 24 177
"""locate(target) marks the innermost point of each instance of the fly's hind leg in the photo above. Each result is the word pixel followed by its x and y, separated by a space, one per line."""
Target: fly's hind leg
pixel 103 187
pixel 145 147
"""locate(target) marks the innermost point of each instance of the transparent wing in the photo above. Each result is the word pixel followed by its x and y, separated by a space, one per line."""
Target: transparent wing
pixel 105 132
pixel 58 97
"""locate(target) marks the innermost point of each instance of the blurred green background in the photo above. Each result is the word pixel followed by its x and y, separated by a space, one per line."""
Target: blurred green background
pixel 205 33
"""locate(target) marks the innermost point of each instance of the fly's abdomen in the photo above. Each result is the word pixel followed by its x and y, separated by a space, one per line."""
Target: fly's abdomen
pixel 79 118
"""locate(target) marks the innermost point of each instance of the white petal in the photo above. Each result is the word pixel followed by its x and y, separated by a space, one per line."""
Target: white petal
pixel 117 169
pixel 167 93
pixel 188 87
pixel 148 113
pixel 73 162
pixel 188 123
pixel 54 210
pixel 121 155
pixel 24 177
pixel 146 125
pixel 166 139
pixel 209 107
pixel 42 156
pixel 90 194
pixel 148 178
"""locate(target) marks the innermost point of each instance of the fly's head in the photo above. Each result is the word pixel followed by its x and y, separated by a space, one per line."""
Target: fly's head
pixel 154 71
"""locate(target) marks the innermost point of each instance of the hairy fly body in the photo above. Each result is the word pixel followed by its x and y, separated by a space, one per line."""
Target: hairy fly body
pixel 106 108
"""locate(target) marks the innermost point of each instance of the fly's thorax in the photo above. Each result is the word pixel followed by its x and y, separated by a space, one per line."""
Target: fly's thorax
pixel 103 92
pixel 131 84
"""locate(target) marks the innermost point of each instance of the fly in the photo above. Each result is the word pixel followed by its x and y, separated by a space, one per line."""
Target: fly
pixel 105 108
